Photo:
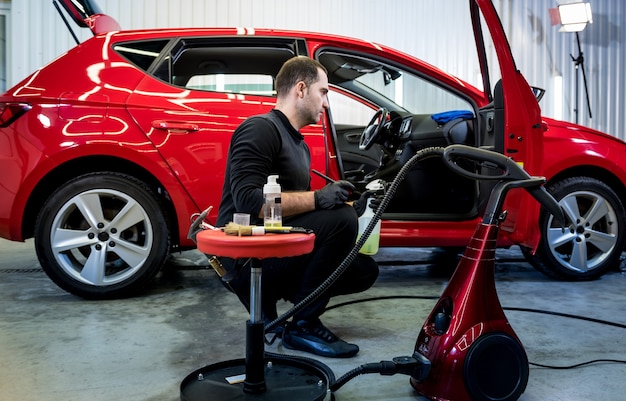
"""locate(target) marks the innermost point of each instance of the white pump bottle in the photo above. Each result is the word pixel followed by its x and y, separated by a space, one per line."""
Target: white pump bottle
pixel 272 212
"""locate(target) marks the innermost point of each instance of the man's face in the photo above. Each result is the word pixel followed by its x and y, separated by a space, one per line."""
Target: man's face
pixel 315 100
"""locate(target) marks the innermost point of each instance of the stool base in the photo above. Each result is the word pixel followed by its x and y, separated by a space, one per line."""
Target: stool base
pixel 286 379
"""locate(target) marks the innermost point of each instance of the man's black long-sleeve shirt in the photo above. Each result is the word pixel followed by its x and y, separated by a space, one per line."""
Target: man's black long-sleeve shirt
pixel 261 146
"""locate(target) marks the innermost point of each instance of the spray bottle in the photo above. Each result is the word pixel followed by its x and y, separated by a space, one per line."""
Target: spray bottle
pixel 370 247
pixel 272 212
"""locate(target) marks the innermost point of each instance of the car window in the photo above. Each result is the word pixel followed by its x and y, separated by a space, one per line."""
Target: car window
pixel 233 65
pixel 411 92
pixel 141 54
pixel 252 84
pixel 364 84
pixel 347 110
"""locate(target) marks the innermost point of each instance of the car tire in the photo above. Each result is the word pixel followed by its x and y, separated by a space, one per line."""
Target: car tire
pixel 102 235
pixel 594 235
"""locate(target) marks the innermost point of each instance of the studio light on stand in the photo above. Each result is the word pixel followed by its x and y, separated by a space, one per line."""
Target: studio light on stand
pixel 574 17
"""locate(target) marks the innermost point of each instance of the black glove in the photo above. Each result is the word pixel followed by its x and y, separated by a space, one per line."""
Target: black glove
pixel 379 195
pixel 333 194
pixel 375 203
pixel 361 203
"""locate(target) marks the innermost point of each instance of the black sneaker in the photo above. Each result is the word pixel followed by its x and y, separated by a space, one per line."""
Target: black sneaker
pixel 315 338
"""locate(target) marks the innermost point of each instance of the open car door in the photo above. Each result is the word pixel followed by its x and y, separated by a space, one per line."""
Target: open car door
pixel 87 14
pixel 516 117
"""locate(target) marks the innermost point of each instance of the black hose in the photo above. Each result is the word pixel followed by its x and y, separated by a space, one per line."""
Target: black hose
pixel 511 308
pixel 346 378
pixel 390 367
pixel 419 155
pixel 382 367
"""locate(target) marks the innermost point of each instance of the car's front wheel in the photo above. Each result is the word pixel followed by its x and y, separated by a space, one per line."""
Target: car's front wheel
pixel 594 236
pixel 102 235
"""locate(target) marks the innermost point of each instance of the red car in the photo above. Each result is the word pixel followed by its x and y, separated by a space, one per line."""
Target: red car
pixel 108 150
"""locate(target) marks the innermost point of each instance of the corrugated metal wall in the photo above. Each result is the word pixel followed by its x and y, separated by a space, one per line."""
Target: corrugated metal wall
pixel 543 54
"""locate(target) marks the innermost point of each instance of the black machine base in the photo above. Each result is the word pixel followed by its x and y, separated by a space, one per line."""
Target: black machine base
pixel 286 379
pixel 496 368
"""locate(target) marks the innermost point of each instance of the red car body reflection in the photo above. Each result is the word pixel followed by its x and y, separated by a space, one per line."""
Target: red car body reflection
pixel 120 107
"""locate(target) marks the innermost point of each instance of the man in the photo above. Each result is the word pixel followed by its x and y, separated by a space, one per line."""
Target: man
pixel 272 144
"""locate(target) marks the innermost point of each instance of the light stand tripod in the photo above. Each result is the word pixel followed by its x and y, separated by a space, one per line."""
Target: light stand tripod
pixel 580 62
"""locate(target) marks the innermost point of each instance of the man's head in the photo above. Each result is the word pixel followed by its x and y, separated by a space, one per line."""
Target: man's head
pixel 299 68
pixel 301 89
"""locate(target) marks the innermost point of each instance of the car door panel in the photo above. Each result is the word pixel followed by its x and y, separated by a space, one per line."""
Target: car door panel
pixel 354 159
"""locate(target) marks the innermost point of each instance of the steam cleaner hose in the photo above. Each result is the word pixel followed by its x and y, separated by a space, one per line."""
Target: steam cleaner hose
pixel 419 156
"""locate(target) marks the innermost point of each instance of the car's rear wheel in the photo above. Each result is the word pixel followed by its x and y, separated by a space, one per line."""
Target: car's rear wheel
pixel 102 235
pixel 594 236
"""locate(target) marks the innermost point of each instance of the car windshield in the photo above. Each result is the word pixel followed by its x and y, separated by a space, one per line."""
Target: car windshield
pixel 362 84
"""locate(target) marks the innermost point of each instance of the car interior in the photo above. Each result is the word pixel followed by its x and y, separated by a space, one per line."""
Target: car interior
pixel 417 113
pixel 430 190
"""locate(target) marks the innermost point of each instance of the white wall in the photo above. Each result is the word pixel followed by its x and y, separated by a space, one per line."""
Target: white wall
pixel 38 35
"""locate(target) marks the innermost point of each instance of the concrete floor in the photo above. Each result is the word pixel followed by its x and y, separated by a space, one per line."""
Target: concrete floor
pixel 54 346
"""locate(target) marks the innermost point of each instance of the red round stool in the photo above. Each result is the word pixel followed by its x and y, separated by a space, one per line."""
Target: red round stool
pixel 279 378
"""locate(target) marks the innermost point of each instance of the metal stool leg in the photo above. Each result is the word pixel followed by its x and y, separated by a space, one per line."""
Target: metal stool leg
pixel 255 330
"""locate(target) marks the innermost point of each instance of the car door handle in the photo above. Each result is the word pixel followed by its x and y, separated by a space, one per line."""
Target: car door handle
pixel 176 126
pixel 353 138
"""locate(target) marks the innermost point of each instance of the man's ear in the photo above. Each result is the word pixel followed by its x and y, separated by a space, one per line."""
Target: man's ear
pixel 300 87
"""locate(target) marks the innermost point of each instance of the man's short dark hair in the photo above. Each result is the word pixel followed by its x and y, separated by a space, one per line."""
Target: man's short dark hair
pixel 296 69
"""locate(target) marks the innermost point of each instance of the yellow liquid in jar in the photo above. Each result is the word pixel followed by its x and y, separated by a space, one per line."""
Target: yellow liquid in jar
pixel 273 224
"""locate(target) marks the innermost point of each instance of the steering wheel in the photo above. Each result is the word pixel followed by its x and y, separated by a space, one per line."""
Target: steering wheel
pixel 372 131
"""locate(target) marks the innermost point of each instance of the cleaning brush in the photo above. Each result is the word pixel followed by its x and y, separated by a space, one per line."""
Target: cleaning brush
pixel 242 231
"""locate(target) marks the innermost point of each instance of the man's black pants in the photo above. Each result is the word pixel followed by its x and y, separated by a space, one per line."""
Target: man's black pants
pixel 294 278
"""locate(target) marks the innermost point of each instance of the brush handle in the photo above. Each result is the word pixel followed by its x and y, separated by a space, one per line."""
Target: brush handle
pixel 324 176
